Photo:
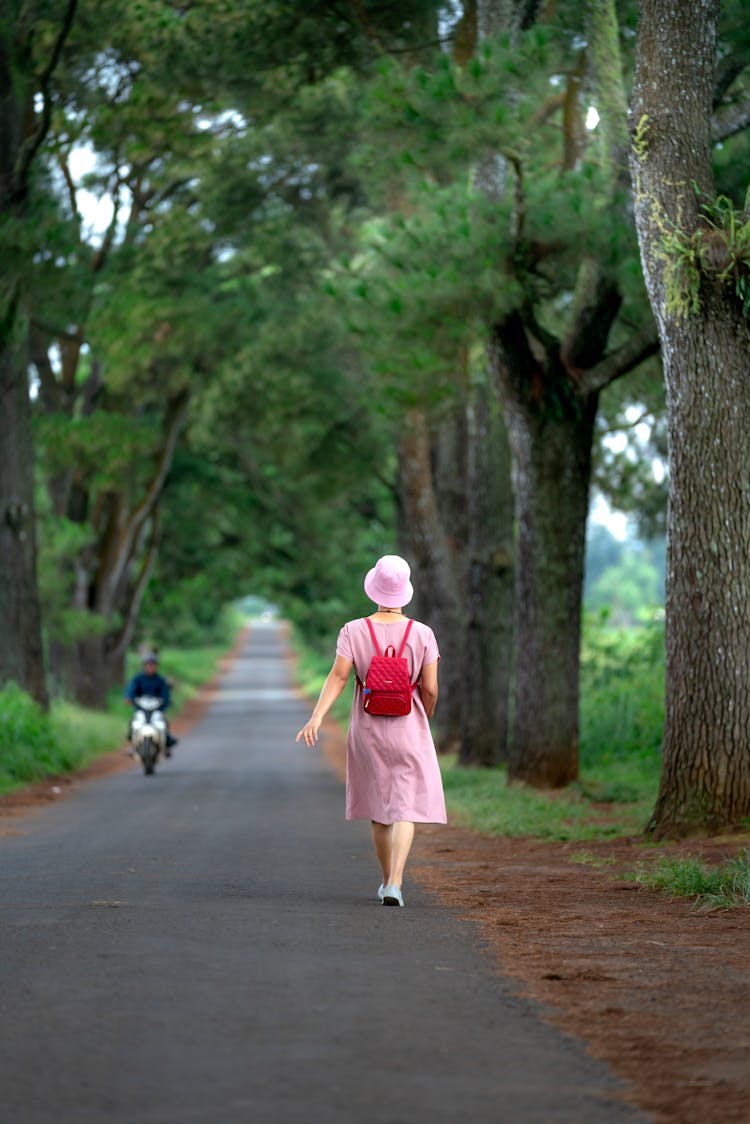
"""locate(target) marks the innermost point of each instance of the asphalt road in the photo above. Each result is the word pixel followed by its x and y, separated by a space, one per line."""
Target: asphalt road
pixel 206 946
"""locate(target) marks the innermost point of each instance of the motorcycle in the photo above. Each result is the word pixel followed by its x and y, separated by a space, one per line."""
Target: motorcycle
pixel 148 731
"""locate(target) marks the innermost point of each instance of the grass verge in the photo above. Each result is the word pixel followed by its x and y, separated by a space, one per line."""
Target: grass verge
pixel 611 801
pixel 725 886
pixel 34 745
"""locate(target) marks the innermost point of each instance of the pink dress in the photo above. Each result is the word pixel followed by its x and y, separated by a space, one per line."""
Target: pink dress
pixel 392 771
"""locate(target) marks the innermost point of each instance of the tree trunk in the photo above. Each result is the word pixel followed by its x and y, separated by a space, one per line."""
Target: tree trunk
pixel 433 556
pixel 90 672
pixel 551 445
pixel 21 659
pixel 705 782
pixel 488 657
pixel 456 523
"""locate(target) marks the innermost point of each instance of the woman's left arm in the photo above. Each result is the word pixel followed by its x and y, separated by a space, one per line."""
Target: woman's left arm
pixel 428 687
pixel 335 682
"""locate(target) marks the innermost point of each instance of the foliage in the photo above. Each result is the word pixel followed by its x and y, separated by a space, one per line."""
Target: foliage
pixel 631 588
pixel 603 551
pixel 622 694
pixel 34 745
pixel 448 257
pixel 719 248
pixel 720 887
pixel 231 193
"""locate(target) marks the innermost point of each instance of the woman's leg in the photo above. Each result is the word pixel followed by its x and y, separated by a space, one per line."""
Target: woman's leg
pixel 402 837
pixel 381 837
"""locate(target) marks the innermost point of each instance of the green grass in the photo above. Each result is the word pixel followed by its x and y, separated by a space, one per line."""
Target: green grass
pixel 482 800
pixel 725 886
pixel 34 745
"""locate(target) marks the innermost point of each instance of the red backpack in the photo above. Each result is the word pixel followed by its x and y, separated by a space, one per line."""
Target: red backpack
pixel 387 688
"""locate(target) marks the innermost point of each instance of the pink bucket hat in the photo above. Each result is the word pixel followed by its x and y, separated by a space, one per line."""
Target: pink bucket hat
pixel 387 583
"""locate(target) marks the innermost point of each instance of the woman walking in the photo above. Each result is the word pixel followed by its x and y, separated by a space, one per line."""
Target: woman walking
pixel 392 774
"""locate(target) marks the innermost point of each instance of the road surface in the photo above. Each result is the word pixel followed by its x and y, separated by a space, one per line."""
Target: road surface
pixel 206 946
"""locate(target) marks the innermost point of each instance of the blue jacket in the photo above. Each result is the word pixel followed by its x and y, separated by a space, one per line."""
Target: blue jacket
pixel 142 684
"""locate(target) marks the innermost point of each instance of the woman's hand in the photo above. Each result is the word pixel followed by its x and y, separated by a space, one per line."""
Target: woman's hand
pixel 309 731
pixel 332 688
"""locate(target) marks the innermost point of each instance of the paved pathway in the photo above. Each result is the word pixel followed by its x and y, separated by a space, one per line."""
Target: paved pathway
pixel 205 946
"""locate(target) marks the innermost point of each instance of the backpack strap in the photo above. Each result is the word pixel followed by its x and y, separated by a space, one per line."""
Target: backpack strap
pixel 374 637
pixel 406 636
pixel 377 646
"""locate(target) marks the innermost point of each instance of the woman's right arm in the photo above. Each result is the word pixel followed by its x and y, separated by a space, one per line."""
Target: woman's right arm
pixel 335 682
pixel 428 687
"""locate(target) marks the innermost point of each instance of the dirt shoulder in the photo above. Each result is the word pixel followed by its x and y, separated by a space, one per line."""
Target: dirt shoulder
pixel 658 991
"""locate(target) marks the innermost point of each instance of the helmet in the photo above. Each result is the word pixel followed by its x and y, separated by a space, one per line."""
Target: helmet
pixel 150 657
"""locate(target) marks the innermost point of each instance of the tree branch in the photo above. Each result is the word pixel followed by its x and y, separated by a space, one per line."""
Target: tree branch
pixel 101 255
pixel 630 425
pixel 551 106
pixel 122 550
pixel 597 302
pixel 625 358
pixel 64 167
pixel 131 615
pixel 367 27
pixel 730 119
pixel 39 355
pixel 54 331
pixel 32 144
pixel 573 129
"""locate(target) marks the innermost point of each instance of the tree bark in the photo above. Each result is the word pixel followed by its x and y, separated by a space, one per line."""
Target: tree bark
pixel 705 784
pixel 21 658
pixel 488 656
pixel 21 654
pixel 550 429
pixel 436 560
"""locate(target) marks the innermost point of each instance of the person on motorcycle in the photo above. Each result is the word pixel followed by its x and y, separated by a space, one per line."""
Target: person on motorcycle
pixel 149 682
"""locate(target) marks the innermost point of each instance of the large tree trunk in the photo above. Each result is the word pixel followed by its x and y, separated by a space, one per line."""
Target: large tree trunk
pixel 488 658
pixel 456 524
pixel 705 781
pixel 21 659
pixel 552 467
pixel 436 559
pixel 20 636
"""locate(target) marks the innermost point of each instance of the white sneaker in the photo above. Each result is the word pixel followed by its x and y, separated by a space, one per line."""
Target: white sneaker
pixel 381 891
pixel 392 896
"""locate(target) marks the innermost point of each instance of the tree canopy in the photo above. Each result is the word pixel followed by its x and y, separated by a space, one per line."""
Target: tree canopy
pixel 363 278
